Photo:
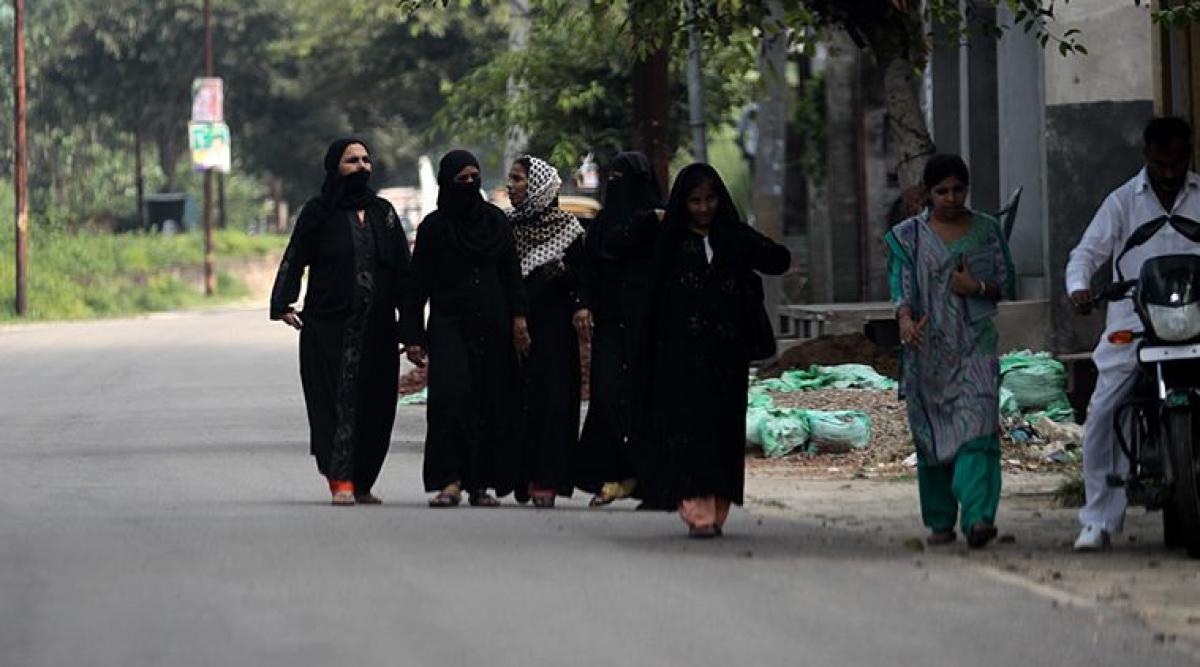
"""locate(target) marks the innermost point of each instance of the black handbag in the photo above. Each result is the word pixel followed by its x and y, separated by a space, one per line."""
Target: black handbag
pixel 760 335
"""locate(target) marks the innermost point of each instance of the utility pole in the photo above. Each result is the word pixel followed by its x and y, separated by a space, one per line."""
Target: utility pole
pixel 210 278
pixel 518 40
pixel 695 83
pixel 19 171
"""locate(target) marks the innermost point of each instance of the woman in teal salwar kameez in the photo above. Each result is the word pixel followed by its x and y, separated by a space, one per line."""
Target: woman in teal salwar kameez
pixel 948 266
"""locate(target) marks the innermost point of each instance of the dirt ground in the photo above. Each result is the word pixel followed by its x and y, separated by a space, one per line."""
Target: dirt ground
pixel 1138 576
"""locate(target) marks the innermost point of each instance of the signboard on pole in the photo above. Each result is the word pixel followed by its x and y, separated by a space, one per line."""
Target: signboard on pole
pixel 208 135
pixel 210 146
pixel 208 100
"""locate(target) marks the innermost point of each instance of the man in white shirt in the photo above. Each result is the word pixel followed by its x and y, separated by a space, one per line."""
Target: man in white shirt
pixel 1164 186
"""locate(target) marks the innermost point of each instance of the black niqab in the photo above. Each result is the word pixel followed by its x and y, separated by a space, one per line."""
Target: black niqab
pixel 347 192
pixel 635 189
pixel 471 226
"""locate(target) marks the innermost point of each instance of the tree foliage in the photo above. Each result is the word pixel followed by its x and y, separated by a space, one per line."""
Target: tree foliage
pixel 297 74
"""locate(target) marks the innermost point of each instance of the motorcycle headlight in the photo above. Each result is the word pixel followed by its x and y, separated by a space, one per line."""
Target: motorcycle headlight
pixel 1175 324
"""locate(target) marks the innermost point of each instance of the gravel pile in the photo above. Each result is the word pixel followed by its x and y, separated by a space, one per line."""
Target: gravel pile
pixel 891 443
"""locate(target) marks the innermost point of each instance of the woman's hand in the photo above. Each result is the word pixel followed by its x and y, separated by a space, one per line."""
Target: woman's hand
pixel 962 282
pixel 293 320
pixel 912 333
pixel 416 355
pixel 521 340
pixel 583 324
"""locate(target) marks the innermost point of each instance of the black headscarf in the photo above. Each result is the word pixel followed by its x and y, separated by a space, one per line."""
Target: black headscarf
pixel 726 224
pixel 349 192
pixel 636 189
pixel 473 229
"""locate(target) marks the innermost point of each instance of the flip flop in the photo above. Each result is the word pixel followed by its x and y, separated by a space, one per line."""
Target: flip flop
pixel 483 499
pixel 445 499
pixel 940 538
pixel 600 500
pixel 981 533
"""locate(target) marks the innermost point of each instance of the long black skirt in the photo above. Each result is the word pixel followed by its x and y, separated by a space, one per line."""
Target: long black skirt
pixel 550 382
pixel 472 397
pixel 607 447
pixel 362 394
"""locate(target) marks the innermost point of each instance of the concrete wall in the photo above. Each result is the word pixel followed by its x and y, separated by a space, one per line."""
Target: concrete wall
pixel 1117 67
pixel 1091 148
pixel 1096 107
pixel 1021 106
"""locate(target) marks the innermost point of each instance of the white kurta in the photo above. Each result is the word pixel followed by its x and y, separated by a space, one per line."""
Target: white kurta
pixel 1127 208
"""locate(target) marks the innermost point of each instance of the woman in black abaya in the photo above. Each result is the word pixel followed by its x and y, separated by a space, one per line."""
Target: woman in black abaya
pixel 550 248
pixel 708 325
pixel 354 248
pixel 465 267
pixel 620 286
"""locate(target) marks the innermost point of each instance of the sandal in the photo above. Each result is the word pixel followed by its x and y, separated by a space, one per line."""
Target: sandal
pixel 446 499
pixel 343 492
pixel 981 533
pixel 940 538
pixel 600 500
pixel 368 498
pixel 483 499
pixel 543 502
pixel 703 532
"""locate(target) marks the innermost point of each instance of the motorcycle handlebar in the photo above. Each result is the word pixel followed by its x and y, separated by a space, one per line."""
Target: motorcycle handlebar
pixel 1118 291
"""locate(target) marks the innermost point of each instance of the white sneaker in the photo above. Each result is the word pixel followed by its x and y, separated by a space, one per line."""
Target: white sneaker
pixel 1092 538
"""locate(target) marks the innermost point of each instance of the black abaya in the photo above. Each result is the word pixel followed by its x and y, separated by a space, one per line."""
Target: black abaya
pixel 700 351
pixel 550 374
pixel 473 291
pixel 349 358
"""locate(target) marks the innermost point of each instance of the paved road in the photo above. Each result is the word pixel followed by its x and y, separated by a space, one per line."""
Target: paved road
pixel 159 509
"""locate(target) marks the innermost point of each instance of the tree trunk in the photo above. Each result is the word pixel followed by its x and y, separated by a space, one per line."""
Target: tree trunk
pixel 168 158
pixel 281 205
pixel 651 96
pixel 139 180
pixel 891 43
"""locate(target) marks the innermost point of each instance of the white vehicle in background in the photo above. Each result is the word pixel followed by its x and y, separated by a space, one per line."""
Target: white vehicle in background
pixel 407 202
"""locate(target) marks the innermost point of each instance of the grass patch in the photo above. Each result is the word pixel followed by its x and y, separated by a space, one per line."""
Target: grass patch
pixel 1071 492
pixel 79 275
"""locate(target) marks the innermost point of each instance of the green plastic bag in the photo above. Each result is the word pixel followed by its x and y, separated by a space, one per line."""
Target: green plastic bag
pixel 1036 380
pixel 838 432
pixel 842 376
pixel 782 432
pixel 754 421
pixel 1008 404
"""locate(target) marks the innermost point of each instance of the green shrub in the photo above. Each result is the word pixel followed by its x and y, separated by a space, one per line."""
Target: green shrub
pixel 77 275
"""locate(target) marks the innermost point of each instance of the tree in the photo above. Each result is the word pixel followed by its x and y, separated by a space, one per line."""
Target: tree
pixel 893 31
pixel 577 93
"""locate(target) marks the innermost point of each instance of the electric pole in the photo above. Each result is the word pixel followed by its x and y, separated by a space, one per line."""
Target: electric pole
pixel 695 80
pixel 210 278
pixel 19 170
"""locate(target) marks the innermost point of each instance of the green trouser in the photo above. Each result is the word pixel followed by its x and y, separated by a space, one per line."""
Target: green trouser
pixel 971 480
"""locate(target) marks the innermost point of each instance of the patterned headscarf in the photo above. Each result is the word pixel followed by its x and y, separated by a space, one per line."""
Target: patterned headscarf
pixel 543 232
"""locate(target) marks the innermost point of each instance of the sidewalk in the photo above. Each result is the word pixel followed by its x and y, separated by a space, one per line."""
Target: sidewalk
pixel 1138 576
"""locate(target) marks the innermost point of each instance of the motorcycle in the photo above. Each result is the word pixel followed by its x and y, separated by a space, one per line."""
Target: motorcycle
pixel 1163 411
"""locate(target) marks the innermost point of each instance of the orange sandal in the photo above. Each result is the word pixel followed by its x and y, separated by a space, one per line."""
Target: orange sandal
pixel 343 492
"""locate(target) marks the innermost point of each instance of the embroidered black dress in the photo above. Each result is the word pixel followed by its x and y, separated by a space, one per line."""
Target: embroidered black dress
pixel 701 333
pixel 349 354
